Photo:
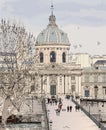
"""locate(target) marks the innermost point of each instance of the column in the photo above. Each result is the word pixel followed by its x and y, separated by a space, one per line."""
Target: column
pixel 62 85
pixel 48 85
pixel 70 90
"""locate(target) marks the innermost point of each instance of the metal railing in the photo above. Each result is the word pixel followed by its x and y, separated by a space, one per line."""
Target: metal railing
pixel 98 123
pixel 45 114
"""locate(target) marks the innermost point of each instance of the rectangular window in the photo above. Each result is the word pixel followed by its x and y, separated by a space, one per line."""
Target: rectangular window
pixel 73 88
pixel 72 77
pixel 104 90
pixel 87 78
pixel 95 78
pixel 103 78
pixel 86 93
pixel 53 89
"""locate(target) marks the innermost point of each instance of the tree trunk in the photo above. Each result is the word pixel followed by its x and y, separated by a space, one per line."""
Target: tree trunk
pixel 5 113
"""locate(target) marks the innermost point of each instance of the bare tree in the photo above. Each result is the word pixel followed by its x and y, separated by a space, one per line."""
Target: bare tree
pixel 16 61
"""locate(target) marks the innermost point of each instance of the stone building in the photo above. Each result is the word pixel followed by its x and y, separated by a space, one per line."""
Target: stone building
pixel 57 75
pixel 94 81
pixel 56 71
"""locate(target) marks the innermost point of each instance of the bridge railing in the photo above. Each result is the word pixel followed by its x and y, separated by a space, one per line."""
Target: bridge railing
pixel 98 123
pixel 45 114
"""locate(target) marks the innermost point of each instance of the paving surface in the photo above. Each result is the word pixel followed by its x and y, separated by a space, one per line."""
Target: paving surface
pixel 74 120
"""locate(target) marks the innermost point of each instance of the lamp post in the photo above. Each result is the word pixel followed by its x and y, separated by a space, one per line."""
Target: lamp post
pixel 50 122
pixel 32 103
pixel 99 117
pixel 41 86
pixel 89 109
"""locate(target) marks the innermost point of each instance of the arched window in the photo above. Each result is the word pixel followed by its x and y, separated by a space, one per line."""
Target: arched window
pixel 41 57
pixel 64 57
pixel 52 56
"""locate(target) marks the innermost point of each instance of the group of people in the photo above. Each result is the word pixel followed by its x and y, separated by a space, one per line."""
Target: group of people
pixel 69 108
pixel 59 104
pixel 52 101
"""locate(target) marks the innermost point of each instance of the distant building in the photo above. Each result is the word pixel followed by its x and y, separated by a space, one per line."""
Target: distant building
pixel 94 82
pixel 97 57
pixel 84 59
pixel 7 60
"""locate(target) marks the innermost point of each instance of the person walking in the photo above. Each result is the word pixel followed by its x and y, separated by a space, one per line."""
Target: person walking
pixel 56 102
pixel 76 108
pixel 70 108
pixel 67 108
pixel 60 106
pixel 50 101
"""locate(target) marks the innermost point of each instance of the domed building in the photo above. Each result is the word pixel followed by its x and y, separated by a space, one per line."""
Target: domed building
pixel 57 75
pixel 53 44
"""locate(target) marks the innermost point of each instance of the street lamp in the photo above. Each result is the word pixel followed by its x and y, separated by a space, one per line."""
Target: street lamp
pixel 89 109
pixel 50 124
pixel 32 103
pixel 99 117
pixel 41 86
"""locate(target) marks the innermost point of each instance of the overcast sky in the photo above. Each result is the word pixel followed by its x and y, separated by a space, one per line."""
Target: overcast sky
pixel 84 21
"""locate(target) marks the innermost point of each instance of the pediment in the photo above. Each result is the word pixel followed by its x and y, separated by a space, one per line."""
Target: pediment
pixel 55 67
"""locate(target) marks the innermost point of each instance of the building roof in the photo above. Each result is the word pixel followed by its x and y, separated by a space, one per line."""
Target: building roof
pixel 52 34
pixel 7 54
pixel 100 62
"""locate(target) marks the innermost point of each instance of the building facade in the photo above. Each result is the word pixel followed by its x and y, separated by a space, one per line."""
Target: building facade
pixel 94 81
pixel 56 73
pixel 55 70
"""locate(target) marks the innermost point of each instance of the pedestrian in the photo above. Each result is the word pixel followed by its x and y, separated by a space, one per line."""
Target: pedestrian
pixel 60 100
pixel 60 105
pixel 76 108
pixel 58 112
pixel 50 101
pixel 70 108
pixel 56 102
pixel 53 102
pixel 67 108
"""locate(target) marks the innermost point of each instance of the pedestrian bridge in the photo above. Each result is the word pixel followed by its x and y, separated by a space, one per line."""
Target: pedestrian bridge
pixel 69 120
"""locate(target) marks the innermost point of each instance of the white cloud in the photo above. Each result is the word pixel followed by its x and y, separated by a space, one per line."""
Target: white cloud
pixel 88 2
pixel 83 2
pixel 1 4
pixel 88 38
pixel 90 13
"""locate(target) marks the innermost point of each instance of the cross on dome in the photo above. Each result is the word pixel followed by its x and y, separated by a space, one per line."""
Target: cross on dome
pixel 52 18
pixel 52 8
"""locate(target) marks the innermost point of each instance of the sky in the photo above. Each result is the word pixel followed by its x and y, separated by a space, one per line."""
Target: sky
pixel 84 21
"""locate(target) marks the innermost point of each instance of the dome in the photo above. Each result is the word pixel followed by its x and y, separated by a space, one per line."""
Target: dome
pixel 52 34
